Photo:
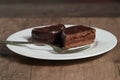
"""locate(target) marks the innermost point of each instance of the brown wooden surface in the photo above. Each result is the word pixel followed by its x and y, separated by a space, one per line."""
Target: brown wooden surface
pixel 16 67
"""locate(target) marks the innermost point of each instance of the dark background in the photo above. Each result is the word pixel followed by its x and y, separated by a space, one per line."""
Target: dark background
pixel 55 1
pixel 59 8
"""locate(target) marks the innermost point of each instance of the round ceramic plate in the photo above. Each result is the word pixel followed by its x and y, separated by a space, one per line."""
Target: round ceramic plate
pixel 104 42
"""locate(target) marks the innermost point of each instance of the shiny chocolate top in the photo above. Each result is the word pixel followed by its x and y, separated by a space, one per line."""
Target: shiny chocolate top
pixel 76 29
pixel 50 29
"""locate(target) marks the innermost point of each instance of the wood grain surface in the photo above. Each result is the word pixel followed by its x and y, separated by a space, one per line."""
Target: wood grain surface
pixel 16 67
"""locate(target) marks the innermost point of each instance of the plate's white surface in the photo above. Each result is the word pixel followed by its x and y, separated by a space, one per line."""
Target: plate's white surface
pixel 104 42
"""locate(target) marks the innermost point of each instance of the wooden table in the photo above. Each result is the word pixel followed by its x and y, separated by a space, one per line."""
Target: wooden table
pixel 16 67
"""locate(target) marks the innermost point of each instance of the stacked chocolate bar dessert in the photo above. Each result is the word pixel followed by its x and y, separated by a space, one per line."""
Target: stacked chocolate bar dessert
pixel 65 38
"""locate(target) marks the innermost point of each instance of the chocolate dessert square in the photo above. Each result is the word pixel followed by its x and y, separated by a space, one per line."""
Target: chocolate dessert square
pixel 50 34
pixel 77 36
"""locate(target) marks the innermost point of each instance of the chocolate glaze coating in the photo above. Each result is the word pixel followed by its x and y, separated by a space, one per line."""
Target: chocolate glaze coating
pixel 50 29
pixel 50 34
pixel 76 29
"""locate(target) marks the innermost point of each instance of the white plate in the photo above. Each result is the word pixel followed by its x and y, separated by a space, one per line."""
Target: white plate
pixel 104 42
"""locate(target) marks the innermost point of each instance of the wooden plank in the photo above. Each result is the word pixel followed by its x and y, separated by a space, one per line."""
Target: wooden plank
pixel 10 66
